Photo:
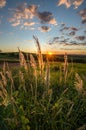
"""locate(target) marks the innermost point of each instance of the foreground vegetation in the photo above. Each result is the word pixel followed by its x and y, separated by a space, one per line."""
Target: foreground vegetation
pixel 43 96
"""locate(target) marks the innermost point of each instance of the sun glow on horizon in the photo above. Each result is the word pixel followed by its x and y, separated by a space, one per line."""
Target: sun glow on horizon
pixel 50 53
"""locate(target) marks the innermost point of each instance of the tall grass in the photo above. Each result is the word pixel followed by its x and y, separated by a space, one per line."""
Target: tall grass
pixel 33 97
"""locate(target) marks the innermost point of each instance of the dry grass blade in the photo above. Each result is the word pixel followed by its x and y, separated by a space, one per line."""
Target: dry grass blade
pixel 78 83
pixel 33 64
pixel 60 75
pixel 70 110
pixel 4 68
pixel 3 79
pixel 32 61
pixel 65 66
pixel 12 81
pixel 40 58
pixel 47 75
pixel 82 127
pixel 22 80
pixel 3 94
pixel 22 60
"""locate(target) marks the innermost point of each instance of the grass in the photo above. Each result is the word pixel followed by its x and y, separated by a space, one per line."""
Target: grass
pixel 38 96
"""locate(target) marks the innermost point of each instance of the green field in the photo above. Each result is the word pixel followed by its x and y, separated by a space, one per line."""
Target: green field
pixel 42 95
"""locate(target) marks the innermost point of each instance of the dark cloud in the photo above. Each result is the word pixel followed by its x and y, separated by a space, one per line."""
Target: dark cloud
pixel 85 31
pixel 82 13
pixel 58 40
pixel 46 17
pixel 70 44
pixel 81 38
pixel 54 40
pixel 44 29
pixel 65 28
pixel 64 40
pixel 72 33
pixel 73 28
pixel 69 28
pixel 63 24
pixel 74 44
pixel 83 21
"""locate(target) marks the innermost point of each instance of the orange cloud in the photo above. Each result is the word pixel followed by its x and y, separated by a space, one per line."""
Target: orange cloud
pixel 68 3
pixel 2 3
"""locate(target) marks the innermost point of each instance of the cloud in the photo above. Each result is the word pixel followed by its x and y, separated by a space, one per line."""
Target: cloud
pixel 54 40
pixel 77 3
pixel 16 23
pixel 82 13
pixel 69 28
pixel 68 3
pixel 63 24
pixel 46 17
pixel 28 24
pixel 58 40
pixel 74 44
pixel 72 33
pixel 22 13
pixel 70 44
pixel 2 3
pixel 81 38
pixel 64 41
pixel 73 28
pixel 83 21
pixel 44 29
pixel 65 28
pixel 85 31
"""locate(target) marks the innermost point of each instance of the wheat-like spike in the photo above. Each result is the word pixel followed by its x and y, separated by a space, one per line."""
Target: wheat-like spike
pixel 1 95
pixel 3 89
pixel 60 77
pixel 33 64
pixel 40 58
pixel 65 66
pixel 22 60
pixel 21 76
pixel 12 81
pixel 78 83
pixel 22 80
pixel 32 61
pixel 3 79
pixel 47 75
pixel 4 68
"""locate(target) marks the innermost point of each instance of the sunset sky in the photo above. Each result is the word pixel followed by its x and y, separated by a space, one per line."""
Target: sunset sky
pixel 60 25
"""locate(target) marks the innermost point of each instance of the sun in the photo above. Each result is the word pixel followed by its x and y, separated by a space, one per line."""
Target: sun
pixel 50 53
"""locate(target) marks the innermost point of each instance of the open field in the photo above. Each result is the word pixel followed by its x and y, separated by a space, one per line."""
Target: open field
pixel 37 94
pixel 14 57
